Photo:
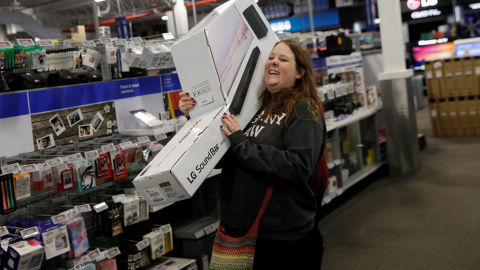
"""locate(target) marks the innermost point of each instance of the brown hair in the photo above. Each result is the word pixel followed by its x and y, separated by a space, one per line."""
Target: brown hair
pixel 305 87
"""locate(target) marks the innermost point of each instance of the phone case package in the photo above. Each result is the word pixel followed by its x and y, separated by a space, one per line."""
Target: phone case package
pixel 103 169
pixel 85 175
pixel 78 237
pixel 119 165
pixel 43 178
pixel 65 177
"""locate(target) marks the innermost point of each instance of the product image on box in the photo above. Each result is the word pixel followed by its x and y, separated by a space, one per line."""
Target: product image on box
pixel 78 237
pixel 119 164
pixel 22 186
pixel 102 167
pixel 55 238
pixel 65 178
pixel 43 178
pixel 25 255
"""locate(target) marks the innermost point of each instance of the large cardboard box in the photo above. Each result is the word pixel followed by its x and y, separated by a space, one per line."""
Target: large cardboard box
pixel 472 116
pixel 449 78
pixel 220 62
pixel 442 106
pixel 462 116
pixel 476 74
pixel 459 88
pixel 439 81
pixel 453 123
pixel 434 118
pixel 469 77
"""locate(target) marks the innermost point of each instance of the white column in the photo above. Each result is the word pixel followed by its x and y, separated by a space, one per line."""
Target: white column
pixel 392 40
pixel 181 19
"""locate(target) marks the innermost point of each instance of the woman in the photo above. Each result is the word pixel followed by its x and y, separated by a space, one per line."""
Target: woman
pixel 284 143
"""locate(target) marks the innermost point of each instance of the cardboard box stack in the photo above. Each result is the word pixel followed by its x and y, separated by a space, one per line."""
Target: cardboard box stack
pixel 220 62
pixel 453 88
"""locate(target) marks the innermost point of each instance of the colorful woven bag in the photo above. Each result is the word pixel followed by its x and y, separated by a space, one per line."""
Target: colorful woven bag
pixel 238 253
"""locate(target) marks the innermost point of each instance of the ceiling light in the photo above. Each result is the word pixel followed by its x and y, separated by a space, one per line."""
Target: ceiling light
pixel 474 6
pixel 164 18
pixel 99 1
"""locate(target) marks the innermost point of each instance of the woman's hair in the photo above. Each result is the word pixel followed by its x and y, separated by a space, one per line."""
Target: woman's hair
pixel 305 87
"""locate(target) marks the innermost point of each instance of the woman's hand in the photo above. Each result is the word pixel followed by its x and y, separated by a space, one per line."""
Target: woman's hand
pixel 186 103
pixel 232 124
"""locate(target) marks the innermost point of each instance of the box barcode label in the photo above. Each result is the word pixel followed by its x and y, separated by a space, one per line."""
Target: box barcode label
pixel 155 194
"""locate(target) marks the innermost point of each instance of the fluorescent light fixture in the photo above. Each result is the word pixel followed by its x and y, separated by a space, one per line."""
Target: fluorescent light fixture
pixel 474 6
pixel 99 1
pixel 377 21
pixel 164 18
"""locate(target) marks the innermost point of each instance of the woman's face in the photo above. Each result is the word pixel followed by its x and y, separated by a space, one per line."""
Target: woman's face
pixel 280 70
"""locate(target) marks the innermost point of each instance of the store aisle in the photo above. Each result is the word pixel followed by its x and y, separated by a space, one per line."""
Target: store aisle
pixel 427 221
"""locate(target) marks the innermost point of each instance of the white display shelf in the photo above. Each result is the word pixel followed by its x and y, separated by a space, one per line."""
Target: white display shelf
pixel 351 119
pixel 352 180
pixel 149 132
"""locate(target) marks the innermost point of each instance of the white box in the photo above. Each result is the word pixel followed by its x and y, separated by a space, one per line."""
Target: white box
pixel 235 39
pixel 212 58
pixel 25 256
pixel 185 162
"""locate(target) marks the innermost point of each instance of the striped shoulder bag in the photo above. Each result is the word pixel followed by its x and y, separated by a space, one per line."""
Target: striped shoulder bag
pixel 237 253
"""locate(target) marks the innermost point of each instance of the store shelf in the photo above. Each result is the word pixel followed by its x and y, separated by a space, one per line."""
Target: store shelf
pixel 352 180
pixel 351 119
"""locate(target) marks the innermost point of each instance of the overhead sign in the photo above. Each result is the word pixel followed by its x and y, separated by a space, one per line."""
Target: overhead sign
pixel 294 24
pixel 432 41
pixel 426 13
pixel 415 4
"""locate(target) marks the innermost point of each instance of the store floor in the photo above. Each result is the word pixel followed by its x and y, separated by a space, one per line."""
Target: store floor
pixel 430 220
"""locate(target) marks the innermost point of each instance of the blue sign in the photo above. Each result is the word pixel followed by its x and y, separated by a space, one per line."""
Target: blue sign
pixel 170 82
pixel 136 87
pixel 294 24
pixel 15 104
pixel 370 15
pixel 71 96
pixel 123 29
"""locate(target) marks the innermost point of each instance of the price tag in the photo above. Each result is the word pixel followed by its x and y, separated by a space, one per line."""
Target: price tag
pixel 108 148
pixel 210 229
pixel 4 243
pixel 100 207
pixel 106 41
pixel 330 165
pixel 168 36
pixel 339 192
pixel 26 43
pixel 5 45
pixel 113 252
pixel 160 136
pixel 75 158
pixel 83 208
pixel 92 256
pixel 54 162
pixel 92 154
pixel 142 244
pixel 136 40
pixel 30 232
pixel 3 231
pixel 80 261
pixel 29 168
pixel 337 162
pixel 119 198
pixel 143 140
pixel 59 219
pixel 120 42
pixel 69 214
pixel 327 200
pixel 101 257
pixel 126 145
pixel 11 168
pixel 46 43
pixel 89 43
pixel 42 166
pixel 66 43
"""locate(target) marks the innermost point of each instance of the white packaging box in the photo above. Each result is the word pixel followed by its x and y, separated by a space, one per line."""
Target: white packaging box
pixel 185 162
pixel 221 56
pixel 24 256
pixel 212 58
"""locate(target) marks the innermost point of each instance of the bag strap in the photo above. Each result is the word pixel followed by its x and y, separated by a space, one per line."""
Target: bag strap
pixel 266 199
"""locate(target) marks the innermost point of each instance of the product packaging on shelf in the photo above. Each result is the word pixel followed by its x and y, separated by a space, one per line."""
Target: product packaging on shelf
pixel 77 236
pixel 118 163
pixel 55 238
pixel 157 244
pixel 103 169
pixel 25 255
pixel 222 68
pixel 109 222
pixel 7 195
pixel 43 178
pixel 84 175
pixel 65 177
pixel 110 264
pixel 22 186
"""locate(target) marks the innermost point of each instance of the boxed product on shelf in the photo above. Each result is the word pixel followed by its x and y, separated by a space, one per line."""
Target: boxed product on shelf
pixel 221 60
pixel 462 116
pixel 25 255
pixel 472 112
pixel 176 264
pixel 157 244
pixel 55 238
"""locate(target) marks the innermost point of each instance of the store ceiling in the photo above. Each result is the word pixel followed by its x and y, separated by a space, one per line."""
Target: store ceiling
pixel 65 14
